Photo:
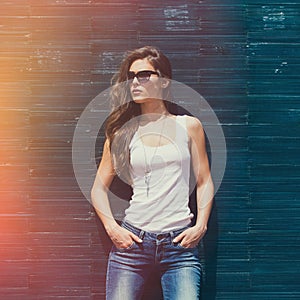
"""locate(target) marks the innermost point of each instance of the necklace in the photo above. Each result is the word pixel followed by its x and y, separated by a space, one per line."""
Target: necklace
pixel 148 170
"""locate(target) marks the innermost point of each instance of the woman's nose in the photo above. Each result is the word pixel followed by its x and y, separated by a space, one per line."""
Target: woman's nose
pixel 135 81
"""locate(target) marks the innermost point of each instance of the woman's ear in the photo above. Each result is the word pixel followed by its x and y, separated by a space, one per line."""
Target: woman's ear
pixel 165 83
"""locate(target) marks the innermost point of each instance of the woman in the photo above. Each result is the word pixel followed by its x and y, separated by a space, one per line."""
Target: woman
pixel 151 149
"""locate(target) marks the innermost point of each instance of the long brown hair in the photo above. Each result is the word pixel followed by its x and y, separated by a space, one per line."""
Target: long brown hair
pixel 119 131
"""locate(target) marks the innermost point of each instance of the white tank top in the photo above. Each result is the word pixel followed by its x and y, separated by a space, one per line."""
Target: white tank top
pixel 165 207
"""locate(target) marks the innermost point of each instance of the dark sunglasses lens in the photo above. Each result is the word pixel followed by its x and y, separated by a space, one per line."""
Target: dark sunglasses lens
pixel 143 76
pixel 130 75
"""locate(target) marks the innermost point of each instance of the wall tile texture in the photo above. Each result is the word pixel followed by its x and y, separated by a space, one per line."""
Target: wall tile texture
pixel 56 56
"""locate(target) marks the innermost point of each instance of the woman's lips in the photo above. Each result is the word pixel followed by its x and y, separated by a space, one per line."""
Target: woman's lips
pixel 136 91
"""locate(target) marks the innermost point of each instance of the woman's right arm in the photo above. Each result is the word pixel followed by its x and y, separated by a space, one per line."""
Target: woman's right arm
pixel 120 236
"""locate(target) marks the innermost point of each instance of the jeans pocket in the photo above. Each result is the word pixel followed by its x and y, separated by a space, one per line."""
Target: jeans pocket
pixel 179 246
pixel 126 249
pixel 182 247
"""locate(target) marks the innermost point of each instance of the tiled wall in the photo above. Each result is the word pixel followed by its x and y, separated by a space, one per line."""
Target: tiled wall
pixel 56 56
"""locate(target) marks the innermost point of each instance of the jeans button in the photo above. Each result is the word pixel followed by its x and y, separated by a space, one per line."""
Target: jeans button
pixel 160 236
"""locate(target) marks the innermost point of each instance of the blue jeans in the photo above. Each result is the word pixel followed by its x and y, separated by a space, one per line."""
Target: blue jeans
pixel 128 269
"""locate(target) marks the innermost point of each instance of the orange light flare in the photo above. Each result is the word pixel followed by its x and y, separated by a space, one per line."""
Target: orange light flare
pixel 14 125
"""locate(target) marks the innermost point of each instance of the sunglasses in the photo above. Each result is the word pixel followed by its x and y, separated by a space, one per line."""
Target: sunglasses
pixel 142 76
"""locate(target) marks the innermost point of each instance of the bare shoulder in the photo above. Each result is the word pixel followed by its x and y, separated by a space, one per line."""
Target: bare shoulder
pixel 195 132
pixel 193 125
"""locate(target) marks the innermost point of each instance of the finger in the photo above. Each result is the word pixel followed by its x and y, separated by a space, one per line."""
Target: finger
pixel 184 242
pixel 179 237
pixel 136 238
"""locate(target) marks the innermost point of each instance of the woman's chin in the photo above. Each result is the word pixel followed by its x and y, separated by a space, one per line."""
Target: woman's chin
pixel 139 100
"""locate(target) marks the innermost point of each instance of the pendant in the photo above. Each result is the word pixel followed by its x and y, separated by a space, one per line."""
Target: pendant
pixel 147 177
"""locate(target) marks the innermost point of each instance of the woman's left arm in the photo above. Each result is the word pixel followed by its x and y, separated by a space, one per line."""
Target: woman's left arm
pixel 205 188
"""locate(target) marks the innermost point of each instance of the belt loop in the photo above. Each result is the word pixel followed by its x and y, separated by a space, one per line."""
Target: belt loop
pixel 172 235
pixel 141 234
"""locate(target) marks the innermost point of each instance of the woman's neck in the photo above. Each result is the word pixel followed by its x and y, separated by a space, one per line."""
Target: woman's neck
pixel 153 107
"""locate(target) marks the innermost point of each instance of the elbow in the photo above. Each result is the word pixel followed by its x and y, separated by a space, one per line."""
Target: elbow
pixel 206 186
pixel 97 192
pixel 93 194
pixel 205 182
pixel 212 185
